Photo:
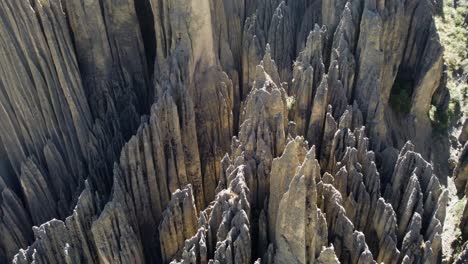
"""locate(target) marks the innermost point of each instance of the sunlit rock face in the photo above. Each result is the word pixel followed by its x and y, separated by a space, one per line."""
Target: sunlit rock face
pixel 220 131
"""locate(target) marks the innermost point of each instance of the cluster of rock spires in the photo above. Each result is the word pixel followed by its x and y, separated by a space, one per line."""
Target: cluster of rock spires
pixel 158 131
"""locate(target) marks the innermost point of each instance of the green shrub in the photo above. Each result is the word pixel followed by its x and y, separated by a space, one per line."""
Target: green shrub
pixel 400 97
pixel 442 119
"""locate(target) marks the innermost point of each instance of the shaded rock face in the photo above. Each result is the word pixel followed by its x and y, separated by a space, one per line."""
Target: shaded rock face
pixel 460 177
pixel 219 132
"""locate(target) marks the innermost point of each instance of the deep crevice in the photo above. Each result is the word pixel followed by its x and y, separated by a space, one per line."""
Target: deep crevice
pixel 401 94
pixel 146 21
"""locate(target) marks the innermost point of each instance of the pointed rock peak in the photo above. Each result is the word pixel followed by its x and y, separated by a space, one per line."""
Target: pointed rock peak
pixel 318 34
pixel 280 9
pixel 328 256
pixel 346 28
pixel 311 153
pixel 328 178
pixel 270 66
pixel 346 15
pixel 409 146
pixel 346 120
pixel 267 56
pixel 330 110
pixel 321 93
pixel 179 222
pixel 314 46
pixel 293 147
pixel 263 80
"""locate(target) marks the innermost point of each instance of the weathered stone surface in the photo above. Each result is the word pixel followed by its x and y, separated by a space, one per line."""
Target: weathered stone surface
pixel 317 115
pixel 138 199
pixel 283 170
pixel 307 76
pixel 463 138
pixel 13 226
pixel 178 224
pixel 460 173
pixel 112 60
pixel 246 155
pixel 327 255
pixel 280 34
pixel 463 257
pixel 116 241
pixel 45 117
pixel 464 222
pixel 215 126
pixel 297 224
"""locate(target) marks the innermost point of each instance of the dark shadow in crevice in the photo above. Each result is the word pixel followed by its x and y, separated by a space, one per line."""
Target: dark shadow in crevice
pixel 401 94
pixel 146 21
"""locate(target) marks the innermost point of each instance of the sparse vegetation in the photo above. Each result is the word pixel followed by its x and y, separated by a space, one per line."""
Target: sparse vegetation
pixel 400 97
pixel 442 120
pixel 453 34
pixel 457 211
pixel 453 31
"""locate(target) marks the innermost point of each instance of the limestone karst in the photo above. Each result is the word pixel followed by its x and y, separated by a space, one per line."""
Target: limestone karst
pixel 222 131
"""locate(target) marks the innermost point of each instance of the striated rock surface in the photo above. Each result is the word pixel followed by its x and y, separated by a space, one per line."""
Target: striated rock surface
pixel 203 131
pixel 179 223
pixel 461 171
pixel 296 238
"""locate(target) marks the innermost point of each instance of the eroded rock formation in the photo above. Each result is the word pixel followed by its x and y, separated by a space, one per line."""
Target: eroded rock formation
pixel 219 132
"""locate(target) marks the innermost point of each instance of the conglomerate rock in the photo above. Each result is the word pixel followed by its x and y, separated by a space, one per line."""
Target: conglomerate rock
pixel 225 131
